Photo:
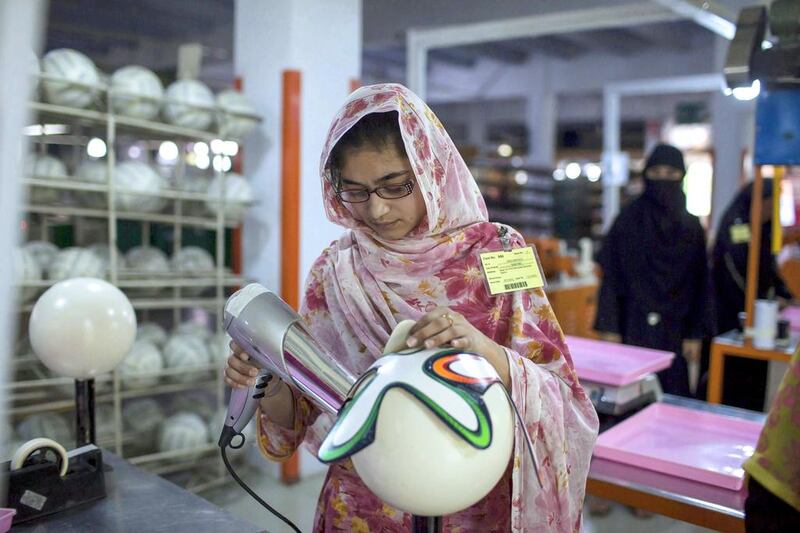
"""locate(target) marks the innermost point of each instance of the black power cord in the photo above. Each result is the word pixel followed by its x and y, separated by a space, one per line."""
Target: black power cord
pixel 223 445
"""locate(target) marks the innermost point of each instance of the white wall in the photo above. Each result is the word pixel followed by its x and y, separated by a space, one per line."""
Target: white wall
pixel 323 40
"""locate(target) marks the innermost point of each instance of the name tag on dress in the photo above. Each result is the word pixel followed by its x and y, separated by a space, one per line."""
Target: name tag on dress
pixel 740 233
pixel 512 270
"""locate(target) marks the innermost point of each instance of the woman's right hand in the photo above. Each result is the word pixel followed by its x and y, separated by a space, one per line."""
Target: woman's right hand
pixel 239 371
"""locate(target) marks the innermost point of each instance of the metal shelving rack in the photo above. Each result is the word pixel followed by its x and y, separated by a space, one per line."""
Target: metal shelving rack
pixel 35 395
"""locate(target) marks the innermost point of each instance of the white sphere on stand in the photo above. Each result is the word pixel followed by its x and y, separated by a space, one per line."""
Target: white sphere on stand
pixel 82 327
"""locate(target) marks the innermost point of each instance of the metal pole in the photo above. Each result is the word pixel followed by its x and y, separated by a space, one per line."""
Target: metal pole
pixel 84 412
pixel 426 524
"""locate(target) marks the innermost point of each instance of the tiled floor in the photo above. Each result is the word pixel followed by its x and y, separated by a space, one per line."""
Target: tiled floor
pixel 298 503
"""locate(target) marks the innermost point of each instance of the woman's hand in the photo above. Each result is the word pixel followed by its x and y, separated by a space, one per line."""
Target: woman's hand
pixel 239 372
pixel 443 326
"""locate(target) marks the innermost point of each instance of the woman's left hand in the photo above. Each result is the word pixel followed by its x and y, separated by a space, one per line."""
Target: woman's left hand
pixel 443 326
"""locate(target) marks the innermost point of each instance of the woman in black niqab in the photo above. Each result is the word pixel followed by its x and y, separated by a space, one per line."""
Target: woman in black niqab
pixel 654 290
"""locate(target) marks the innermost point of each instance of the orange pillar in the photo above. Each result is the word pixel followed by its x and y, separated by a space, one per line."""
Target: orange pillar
pixel 290 214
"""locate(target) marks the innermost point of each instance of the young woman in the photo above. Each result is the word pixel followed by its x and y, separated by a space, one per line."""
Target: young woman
pixel 415 226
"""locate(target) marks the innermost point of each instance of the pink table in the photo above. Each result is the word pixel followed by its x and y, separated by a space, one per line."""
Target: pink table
pixel 615 364
pixel 680 498
pixel 792 314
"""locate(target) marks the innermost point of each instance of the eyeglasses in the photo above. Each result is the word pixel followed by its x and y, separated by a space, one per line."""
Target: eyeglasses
pixel 387 192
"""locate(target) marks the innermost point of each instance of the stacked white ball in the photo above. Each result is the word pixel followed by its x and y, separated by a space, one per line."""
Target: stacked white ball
pixel 77 81
pixel 136 92
pixel 103 252
pixel 51 425
pixel 138 186
pixel 45 167
pixel 237 116
pixel 187 353
pixel 189 104
pixel 26 270
pixel 96 173
pixel 237 196
pixel 193 260
pixel 151 332
pixel 141 366
pixel 147 260
pixel 193 329
pixel 44 252
pixel 183 431
pixel 144 415
pixel 75 263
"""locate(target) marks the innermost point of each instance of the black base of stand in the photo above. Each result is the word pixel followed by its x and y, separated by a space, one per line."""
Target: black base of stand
pixel 84 412
pixel 426 524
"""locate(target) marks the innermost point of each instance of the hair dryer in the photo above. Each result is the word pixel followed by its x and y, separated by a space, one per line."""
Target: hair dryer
pixel 274 337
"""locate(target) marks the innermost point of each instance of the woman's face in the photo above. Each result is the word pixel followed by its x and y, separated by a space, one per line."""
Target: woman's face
pixel 372 167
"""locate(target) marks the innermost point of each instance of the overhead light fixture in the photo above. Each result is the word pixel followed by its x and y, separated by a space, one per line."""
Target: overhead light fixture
pixel 200 148
pixel 217 146
pixel 168 152
pixel 505 150
pixel 96 148
pixel 573 171
pixel 559 175
pixel 592 171
pixel 747 93
pixel 37 130
pixel 521 177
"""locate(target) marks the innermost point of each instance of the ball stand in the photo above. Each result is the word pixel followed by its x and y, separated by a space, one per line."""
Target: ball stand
pixel 84 412
pixel 426 524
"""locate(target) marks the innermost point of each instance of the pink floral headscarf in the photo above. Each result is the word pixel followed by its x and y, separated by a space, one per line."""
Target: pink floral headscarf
pixel 362 286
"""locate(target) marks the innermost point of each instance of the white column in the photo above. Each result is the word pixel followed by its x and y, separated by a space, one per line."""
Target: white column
pixel 20 32
pixel 322 40
pixel 542 115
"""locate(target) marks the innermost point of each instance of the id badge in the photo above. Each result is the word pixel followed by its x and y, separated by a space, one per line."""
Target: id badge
pixel 740 233
pixel 511 270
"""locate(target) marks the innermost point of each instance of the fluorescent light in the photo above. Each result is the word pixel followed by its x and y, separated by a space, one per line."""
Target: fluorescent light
pixel 37 130
pixel 592 171
pixel 505 150
pixel 217 146
pixel 168 151
pixel 747 93
pixel 230 148
pixel 558 174
pixel 200 148
pixel 203 161
pixel 521 177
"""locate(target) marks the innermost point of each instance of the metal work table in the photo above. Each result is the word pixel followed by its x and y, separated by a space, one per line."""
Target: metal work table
pixel 683 499
pixel 138 501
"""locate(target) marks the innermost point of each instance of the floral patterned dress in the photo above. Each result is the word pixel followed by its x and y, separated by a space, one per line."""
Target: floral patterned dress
pixel 362 286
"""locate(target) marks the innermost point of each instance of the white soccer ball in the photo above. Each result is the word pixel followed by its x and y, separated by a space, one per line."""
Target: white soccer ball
pixel 45 167
pixel 189 104
pixel 193 329
pixel 183 431
pixel 50 425
pixel 103 252
pixel 138 186
pixel 152 332
pixel 96 173
pixel 199 185
pixel 26 270
pixel 136 92
pixel 76 83
pixel 138 367
pixel 44 252
pixel 144 415
pixel 76 263
pixel 237 116
pixel 238 195
pixel 220 348
pixel 194 261
pixel 147 260
pixel 188 353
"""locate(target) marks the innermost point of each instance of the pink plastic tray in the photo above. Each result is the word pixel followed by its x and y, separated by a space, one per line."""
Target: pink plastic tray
pixel 615 364
pixel 6 516
pixel 687 443
pixel 792 314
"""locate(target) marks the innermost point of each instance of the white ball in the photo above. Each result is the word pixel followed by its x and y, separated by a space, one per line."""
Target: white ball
pixel 238 194
pixel 103 252
pixel 76 263
pixel 183 431
pixel 137 187
pixel 199 185
pixel 147 260
pixel 45 167
pixel 70 66
pixel 188 353
pixel 26 270
pixel 82 327
pixel 44 252
pixel 418 464
pixel 194 329
pixel 193 261
pixel 96 173
pixel 51 425
pixel 144 415
pixel 189 104
pixel 220 348
pixel 136 92
pixel 201 402
pixel 237 117
pixel 138 367
pixel 152 332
